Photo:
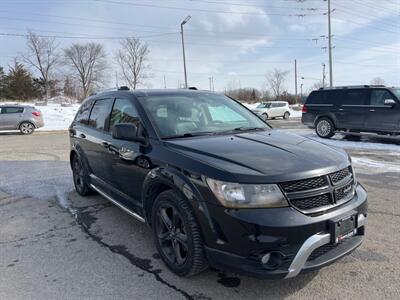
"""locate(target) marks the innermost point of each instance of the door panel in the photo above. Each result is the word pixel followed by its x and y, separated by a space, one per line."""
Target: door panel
pixel 130 163
pixel 352 112
pixel 10 117
pixel 382 117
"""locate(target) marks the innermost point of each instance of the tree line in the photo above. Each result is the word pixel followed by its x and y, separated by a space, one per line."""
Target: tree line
pixel 76 71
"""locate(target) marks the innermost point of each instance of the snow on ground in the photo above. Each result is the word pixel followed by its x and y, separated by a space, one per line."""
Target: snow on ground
pixel 57 117
pixel 375 143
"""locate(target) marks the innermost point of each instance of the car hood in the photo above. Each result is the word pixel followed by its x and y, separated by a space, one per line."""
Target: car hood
pixel 267 156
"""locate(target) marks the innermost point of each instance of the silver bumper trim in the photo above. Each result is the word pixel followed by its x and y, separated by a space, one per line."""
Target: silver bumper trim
pixel 312 243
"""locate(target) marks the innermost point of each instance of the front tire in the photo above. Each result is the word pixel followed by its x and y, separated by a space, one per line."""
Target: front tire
pixel 325 128
pixel 286 115
pixel 78 174
pixel 26 128
pixel 177 235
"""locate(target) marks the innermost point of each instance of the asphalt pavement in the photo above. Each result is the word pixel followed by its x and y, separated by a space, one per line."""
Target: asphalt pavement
pixel 55 244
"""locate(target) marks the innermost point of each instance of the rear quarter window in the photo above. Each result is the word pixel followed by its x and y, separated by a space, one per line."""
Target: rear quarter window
pixel 83 113
pixel 324 97
pixel 12 110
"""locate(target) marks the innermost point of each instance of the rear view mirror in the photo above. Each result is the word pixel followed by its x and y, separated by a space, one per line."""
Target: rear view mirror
pixel 389 102
pixel 126 132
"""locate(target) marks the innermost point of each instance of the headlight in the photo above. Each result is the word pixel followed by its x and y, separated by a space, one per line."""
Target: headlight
pixel 235 195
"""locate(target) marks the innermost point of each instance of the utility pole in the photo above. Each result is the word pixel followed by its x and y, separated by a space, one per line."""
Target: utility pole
pixel 209 79
pixel 165 83
pixel 330 44
pixel 301 92
pixel 323 75
pixel 295 78
pixel 183 49
pixel 116 79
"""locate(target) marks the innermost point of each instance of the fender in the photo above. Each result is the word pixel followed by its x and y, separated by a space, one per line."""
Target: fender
pixel 77 149
pixel 329 115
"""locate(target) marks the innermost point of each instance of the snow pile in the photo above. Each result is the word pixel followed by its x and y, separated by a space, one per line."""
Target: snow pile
pixel 61 99
pixel 57 117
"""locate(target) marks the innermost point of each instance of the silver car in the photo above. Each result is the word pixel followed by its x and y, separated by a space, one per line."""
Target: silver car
pixel 18 117
pixel 273 109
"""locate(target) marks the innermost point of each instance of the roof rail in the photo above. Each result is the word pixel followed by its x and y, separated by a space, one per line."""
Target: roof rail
pixel 350 87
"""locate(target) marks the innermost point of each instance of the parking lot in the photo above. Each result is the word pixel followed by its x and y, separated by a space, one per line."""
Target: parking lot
pixel 56 244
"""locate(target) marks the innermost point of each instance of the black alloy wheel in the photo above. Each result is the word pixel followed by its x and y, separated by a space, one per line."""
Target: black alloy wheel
pixel 78 174
pixel 177 234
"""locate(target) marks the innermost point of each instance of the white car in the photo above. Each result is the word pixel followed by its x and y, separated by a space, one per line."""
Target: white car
pixel 273 109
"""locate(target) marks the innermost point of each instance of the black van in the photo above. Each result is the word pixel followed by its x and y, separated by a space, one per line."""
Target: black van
pixel 353 109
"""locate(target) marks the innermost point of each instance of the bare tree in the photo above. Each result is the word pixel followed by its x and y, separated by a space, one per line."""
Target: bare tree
pixel 276 80
pixel 88 63
pixel 377 81
pixel 132 59
pixel 42 55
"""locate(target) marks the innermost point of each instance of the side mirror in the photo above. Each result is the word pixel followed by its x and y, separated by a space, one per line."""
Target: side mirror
pixel 389 102
pixel 127 132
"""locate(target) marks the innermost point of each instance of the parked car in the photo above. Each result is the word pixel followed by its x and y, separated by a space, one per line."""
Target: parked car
pixel 23 118
pixel 273 109
pixel 353 109
pixel 216 184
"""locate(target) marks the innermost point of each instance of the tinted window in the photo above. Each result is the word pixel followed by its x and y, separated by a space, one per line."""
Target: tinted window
pixel 123 112
pixel 12 110
pixel 83 114
pixel 356 97
pixel 324 97
pixel 100 113
pixel 378 97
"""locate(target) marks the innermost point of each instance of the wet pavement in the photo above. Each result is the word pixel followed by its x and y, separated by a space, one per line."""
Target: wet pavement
pixel 55 244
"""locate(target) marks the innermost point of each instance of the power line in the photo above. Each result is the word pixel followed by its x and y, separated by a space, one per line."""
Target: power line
pixel 83 37
pixel 205 10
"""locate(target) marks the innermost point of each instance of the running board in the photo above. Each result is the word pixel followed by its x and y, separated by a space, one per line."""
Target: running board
pixel 370 135
pixel 124 208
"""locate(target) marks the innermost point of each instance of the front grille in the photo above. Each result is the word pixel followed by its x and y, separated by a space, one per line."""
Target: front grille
pixel 340 175
pixel 305 184
pixel 320 193
pixel 313 202
pixel 344 192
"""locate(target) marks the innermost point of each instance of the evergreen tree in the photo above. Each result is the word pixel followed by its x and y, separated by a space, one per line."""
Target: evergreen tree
pixel 2 83
pixel 20 84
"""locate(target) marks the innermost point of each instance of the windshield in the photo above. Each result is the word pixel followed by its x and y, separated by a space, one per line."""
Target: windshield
pixel 264 105
pixel 396 91
pixel 197 114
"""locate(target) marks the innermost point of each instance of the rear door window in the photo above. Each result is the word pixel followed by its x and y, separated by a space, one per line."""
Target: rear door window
pixel 356 97
pixel 378 97
pixel 100 114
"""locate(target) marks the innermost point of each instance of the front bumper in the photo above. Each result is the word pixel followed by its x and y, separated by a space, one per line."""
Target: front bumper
pixel 298 243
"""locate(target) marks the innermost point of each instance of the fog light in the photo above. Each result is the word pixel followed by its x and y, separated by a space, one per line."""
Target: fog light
pixel 271 260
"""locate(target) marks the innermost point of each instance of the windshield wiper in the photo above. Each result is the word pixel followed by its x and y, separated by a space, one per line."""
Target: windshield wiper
pixel 242 129
pixel 188 134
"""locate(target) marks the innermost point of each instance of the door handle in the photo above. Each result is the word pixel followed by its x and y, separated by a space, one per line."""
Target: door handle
pixel 372 110
pixel 341 109
pixel 82 136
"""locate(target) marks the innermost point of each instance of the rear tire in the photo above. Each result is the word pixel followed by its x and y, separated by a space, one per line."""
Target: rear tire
pixel 325 128
pixel 177 235
pixel 26 128
pixel 78 174
pixel 286 115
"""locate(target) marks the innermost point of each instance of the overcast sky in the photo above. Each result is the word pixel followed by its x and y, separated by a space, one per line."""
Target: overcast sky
pixel 236 42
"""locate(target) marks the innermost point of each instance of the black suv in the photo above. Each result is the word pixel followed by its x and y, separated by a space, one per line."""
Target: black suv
pixel 354 109
pixel 216 184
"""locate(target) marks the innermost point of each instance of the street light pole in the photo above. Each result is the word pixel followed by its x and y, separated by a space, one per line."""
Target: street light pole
pixel 183 49
pixel 330 44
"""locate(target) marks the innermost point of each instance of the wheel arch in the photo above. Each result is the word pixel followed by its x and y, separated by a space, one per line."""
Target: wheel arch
pixel 26 121
pixel 329 116
pixel 161 179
